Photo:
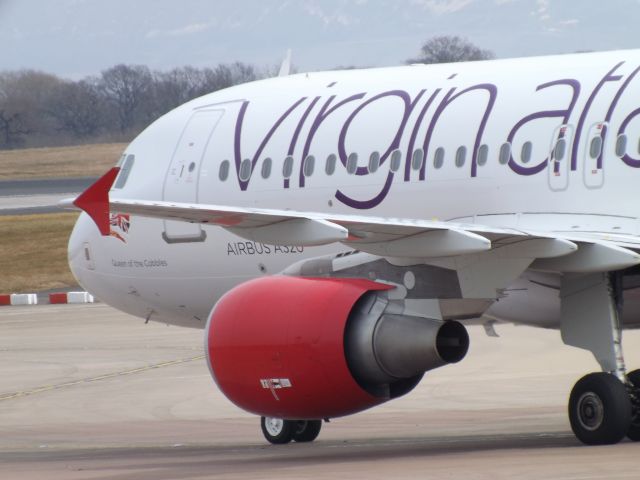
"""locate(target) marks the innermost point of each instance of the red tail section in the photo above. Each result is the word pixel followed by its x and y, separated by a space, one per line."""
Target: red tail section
pixel 95 200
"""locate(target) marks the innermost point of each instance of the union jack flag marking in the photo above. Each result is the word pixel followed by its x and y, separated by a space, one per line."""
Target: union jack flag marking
pixel 121 222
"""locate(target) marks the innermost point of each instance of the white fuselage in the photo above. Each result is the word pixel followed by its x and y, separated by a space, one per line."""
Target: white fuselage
pixel 476 142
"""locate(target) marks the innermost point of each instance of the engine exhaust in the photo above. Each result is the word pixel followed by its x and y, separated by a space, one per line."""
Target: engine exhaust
pixel 383 348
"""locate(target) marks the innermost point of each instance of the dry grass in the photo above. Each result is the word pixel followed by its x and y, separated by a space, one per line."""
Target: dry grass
pixel 33 252
pixel 79 161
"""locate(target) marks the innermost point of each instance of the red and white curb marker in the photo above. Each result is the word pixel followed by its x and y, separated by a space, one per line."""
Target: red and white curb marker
pixel 54 298
pixel 19 299
pixel 71 297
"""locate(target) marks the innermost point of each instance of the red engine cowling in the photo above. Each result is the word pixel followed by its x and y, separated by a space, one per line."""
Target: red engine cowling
pixel 310 348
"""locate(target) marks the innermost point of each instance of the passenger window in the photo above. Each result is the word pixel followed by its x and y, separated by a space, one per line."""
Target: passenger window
pixel 596 147
pixel 505 153
pixel 417 159
pixel 309 165
pixel 525 153
pixel 223 174
pixel 245 170
pixel 330 166
pixel 560 149
pixel 125 170
pixel 287 168
pixel 374 162
pixel 483 155
pixel 438 158
pixel 352 163
pixel 621 145
pixel 461 156
pixel 266 168
pixel 396 160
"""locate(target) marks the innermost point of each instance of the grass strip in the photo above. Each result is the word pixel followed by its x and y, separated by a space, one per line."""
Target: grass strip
pixel 77 161
pixel 33 252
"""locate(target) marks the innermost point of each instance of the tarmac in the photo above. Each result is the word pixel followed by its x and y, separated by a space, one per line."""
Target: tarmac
pixel 87 392
pixel 23 197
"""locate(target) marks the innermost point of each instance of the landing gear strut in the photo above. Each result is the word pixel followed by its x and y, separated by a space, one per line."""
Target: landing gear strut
pixel 279 431
pixel 603 406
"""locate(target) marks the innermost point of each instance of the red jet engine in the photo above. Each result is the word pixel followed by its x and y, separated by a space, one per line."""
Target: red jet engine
pixel 314 348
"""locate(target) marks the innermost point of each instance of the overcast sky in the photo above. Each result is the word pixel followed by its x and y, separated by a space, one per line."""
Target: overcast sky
pixel 74 38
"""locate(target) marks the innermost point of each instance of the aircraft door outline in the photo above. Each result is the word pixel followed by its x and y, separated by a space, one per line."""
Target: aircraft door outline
pixel 559 158
pixel 593 171
pixel 181 180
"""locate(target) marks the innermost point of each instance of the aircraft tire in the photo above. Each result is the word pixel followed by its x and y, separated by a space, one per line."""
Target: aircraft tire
pixel 599 409
pixel 277 430
pixel 634 429
pixel 307 430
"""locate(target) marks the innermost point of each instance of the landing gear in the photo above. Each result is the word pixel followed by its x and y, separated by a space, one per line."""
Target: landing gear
pixel 307 430
pixel 279 431
pixel 599 409
pixel 634 385
pixel 603 407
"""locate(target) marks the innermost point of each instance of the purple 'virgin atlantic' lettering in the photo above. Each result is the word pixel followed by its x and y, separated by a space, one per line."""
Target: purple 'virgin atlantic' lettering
pixel 322 115
pixel 625 158
pixel 609 77
pixel 294 139
pixel 409 105
pixel 408 108
pixel 238 136
pixel 414 134
pixel 492 90
pixel 563 114
pixel 628 159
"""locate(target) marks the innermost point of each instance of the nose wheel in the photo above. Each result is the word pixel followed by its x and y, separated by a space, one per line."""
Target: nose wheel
pixel 279 431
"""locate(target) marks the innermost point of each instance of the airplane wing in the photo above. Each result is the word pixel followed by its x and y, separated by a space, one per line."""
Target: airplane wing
pixel 388 237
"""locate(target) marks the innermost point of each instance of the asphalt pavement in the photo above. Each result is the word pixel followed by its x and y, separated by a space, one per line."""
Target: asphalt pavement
pixel 23 197
pixel 87 392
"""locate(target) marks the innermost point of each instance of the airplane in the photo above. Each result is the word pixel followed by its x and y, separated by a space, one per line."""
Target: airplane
pixel 333 232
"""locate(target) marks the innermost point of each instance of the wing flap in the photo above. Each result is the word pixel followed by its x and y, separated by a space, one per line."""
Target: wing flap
pixel 427 244
pixel 395 237
pixel 297 231
pixel 591 257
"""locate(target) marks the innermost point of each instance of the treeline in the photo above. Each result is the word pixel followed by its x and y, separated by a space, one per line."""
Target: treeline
pixel 40 109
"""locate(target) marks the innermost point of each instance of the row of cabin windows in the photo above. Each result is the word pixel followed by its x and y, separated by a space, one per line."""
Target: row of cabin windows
pixel 417 160
pixel 558 154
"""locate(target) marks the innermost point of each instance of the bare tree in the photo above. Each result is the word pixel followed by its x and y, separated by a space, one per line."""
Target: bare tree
pixel 176 87
pixel 78 108
pixel 227 75
pixel 12 129
pixel 39 109
pixel 449 49
pixel 22 99
pixel 127 88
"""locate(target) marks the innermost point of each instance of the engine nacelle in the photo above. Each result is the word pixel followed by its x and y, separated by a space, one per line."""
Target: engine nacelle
pixel 312 348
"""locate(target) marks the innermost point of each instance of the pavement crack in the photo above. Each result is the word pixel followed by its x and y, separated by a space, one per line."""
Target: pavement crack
pixel 97 378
